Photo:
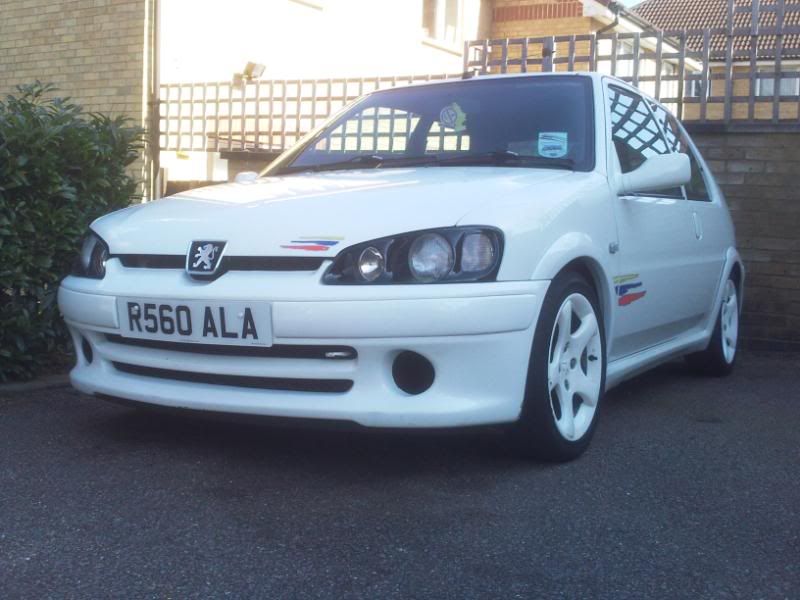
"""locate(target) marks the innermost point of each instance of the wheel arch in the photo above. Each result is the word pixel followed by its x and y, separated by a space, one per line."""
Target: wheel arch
pixel 733 268
pixel 577 252
pixel 596 277
pixel 737 273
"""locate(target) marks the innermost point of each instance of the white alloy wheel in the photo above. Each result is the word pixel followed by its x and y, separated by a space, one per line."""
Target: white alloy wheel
pixel 575 367
pixel 729 320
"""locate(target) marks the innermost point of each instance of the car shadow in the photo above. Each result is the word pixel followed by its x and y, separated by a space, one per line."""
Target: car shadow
pixel 326 446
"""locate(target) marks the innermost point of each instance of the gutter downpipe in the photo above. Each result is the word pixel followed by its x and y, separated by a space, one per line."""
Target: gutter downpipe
pixel 613 7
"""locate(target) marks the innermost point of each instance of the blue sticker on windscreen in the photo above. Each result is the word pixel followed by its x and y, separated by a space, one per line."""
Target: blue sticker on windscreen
pixel 553 144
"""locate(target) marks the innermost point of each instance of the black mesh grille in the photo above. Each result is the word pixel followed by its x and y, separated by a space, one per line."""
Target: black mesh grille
pixel 228 263
pixel 277 351
pixel 326 386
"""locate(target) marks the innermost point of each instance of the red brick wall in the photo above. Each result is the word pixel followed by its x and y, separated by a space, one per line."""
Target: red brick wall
pixel 523 10
pixel 758 173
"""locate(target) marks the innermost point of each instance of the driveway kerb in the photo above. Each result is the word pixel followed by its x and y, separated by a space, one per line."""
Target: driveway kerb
pixel 42 383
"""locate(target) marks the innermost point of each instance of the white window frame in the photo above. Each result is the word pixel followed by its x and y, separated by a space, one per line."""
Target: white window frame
pixel 439 34
pixel 765 88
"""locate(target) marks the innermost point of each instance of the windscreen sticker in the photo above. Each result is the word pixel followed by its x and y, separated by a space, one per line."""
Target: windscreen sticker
pixel 452 117
pixel 628 288
pixel 553 144
pixel 316 243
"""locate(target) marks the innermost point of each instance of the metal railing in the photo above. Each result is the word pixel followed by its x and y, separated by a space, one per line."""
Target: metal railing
pixel 737 73
pixel 268 115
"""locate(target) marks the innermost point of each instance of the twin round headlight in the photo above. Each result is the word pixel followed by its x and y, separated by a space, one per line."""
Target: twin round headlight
pixel 92 260
pixel 451 254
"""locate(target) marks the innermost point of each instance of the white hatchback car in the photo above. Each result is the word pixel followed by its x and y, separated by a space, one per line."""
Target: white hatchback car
pixel 495 250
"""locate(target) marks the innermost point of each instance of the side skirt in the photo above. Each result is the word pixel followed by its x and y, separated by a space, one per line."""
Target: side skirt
pixel 630 366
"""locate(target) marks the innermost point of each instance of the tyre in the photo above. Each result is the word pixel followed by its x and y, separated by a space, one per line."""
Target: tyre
pixel 566 374
pixel 720 356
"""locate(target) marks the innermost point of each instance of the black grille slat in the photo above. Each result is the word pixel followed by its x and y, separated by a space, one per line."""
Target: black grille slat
pixel 276 351
pixel 228 263
pixel 326 386
pixel 151 261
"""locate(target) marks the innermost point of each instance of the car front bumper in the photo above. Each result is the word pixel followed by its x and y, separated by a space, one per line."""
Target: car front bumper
pixel 476 336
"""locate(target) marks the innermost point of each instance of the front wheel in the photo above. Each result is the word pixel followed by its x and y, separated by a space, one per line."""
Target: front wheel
pixel 566 373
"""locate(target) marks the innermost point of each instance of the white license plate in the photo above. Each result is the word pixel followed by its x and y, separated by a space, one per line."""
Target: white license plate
pixel 234 323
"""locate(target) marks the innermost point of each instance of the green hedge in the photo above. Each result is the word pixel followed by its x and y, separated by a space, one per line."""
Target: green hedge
pixel 60 168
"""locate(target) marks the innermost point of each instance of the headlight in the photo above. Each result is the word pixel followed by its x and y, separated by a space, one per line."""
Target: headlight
pixel 431 258
pixel 92 260
pixel 447 255
pixel 371 264
pixel 477 252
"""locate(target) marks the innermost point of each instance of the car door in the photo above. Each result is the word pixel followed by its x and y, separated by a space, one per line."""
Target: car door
pixel 708 218
pixel 656 236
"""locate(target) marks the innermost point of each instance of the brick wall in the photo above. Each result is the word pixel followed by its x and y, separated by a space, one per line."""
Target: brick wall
pixel 520 18
pixel 758 172
pixel 538 18
pixel 93 50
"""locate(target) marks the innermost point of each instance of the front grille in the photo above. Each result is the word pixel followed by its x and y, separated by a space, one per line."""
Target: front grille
pixel 327 386
pixel 228 263
pixel 277 351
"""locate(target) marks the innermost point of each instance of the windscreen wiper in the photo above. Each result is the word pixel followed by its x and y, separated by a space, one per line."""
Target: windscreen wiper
pixel 507 158
pixel 374 161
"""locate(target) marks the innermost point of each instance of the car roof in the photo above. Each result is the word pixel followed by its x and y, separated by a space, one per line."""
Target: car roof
pixel 490 77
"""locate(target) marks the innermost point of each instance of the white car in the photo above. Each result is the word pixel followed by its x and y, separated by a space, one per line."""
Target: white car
pixel 494 250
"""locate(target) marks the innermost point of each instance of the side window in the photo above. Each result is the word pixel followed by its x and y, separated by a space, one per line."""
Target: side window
pixel 635 132
pixel 696 189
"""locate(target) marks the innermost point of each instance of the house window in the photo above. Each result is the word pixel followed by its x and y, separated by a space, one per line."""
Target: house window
pixel 788 86
pixel 441 20
pixel 694 88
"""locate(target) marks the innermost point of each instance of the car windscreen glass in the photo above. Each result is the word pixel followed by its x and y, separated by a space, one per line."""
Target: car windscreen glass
pixel 537 122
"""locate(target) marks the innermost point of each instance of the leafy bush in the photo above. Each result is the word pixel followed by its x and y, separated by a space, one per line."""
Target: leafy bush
pixel 60 168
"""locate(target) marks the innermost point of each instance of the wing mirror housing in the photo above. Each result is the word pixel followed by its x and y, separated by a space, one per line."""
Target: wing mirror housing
pixel 658 172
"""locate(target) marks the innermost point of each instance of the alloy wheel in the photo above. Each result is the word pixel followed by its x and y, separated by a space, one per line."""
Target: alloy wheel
pixel 575 369
pixel 729 319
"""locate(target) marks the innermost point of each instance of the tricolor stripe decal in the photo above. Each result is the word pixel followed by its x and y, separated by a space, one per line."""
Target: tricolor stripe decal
pixel 317 243
pixel 627 288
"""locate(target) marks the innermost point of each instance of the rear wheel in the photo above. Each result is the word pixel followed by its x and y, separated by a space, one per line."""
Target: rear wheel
pixel 566 374
pixel 720 356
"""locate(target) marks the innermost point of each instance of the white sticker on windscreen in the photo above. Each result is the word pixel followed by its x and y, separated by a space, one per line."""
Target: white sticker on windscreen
pixel 553 144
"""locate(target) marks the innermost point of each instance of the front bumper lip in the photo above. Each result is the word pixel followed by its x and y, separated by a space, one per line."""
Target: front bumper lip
pixel 479 346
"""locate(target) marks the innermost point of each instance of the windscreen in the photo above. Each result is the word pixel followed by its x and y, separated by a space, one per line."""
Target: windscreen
pixel 533 122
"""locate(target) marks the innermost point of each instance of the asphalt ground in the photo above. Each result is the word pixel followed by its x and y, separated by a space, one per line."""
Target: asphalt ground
pixel 690 490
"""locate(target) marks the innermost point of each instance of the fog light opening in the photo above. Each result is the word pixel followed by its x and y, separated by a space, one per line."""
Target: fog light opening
pixel 412 372
pixel 86 349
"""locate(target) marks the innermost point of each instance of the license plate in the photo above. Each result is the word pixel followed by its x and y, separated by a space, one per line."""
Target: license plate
pixel 232 323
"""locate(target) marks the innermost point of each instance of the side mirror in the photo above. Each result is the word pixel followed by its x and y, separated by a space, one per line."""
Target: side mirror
pixel 657 173
pixel 246 177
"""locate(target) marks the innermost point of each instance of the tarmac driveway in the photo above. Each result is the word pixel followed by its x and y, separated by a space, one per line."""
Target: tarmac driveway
pixel 691 489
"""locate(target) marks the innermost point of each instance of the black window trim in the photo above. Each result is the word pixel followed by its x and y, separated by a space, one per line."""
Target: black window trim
pixel 701 164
